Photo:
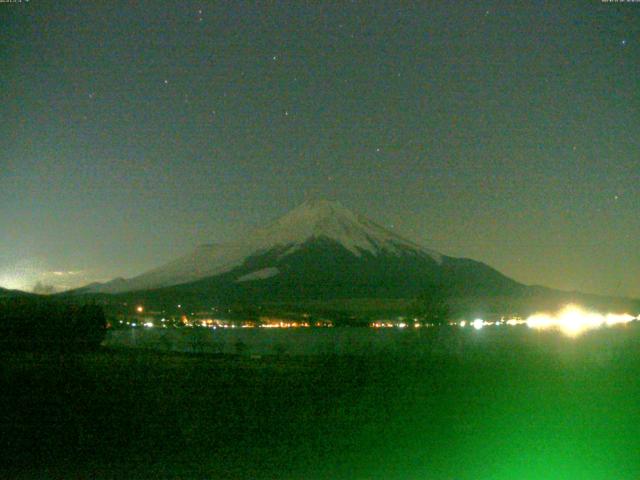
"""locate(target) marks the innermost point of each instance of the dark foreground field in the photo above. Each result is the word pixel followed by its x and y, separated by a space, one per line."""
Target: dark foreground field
pixel 492 404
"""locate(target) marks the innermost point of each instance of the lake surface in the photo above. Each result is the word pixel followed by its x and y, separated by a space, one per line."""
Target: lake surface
pixel 435 404
pixel 453 341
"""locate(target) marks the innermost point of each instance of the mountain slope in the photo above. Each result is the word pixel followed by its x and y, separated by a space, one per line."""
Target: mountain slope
pixel 323 269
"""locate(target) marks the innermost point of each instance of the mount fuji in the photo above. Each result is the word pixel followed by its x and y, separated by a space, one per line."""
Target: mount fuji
pixel 320 250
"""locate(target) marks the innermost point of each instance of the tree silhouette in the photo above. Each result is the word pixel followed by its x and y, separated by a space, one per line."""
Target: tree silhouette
pixel 432 304
pixel 42 324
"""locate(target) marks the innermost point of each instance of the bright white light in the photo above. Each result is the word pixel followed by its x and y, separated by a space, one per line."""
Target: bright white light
pixel 478 323
pixel 573 320
pixel 22 274
pixel 402 325
pixel 148 324
pixel 615 319
pixel 463 323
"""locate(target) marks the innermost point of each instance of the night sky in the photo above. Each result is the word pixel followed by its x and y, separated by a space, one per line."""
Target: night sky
pixel 505 132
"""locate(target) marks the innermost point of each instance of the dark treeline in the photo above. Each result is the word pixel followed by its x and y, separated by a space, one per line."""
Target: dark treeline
pixel 44 324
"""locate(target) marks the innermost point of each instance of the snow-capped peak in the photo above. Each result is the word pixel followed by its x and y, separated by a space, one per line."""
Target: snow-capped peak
pixel 330 219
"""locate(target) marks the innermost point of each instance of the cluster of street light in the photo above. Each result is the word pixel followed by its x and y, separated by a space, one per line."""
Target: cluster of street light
pixel 572 321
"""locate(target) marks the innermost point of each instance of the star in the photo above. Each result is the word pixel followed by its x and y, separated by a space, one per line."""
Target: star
pixel 166 82
pixel 624 42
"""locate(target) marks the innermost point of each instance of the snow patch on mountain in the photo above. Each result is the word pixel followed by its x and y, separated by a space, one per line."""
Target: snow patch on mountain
pixel 259 274
pixel 204 261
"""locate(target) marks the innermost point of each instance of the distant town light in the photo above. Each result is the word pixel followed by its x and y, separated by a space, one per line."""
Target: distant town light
pixel 139 309
pixel 463 323
pixel 478 323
